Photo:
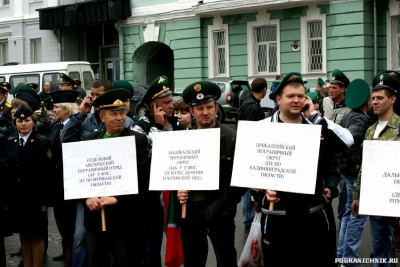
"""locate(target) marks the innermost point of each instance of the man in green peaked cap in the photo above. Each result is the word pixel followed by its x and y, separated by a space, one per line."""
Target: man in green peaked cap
pixel 321 90
pixel 357 122
pixel 384 94
pixel 126 246
pixel 202 96
pixel 158 118
pixel 127 86
pixel 314 212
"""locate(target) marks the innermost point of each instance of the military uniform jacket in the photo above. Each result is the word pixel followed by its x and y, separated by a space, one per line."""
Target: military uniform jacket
pixel 332 136
pixel 5 114
pixel 117 216
pixel 389 133
pixel 31 170
pixel 226 197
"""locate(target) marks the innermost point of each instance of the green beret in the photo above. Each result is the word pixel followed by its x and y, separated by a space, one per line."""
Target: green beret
pixel 112 99
pixel 23 112
pixel 386 81
pixel 313 96
pixel 321 82
pixel 338 77
pixel 289 78
pixel 357 93
pixel 27 94
pixel 158 88
pixel 64 78
pixel 121 84
pixel 201 92
pixel 64 96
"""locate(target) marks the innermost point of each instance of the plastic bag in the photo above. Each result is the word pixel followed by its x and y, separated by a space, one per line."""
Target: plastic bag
pixel 252 252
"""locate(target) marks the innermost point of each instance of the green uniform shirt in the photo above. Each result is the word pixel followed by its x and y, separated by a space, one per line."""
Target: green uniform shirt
pixel 389 133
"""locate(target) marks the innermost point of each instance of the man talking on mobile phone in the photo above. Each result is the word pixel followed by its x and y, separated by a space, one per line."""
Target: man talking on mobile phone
pixel 302 220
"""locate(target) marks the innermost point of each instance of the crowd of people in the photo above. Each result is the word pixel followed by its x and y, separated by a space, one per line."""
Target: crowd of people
pixel 34 126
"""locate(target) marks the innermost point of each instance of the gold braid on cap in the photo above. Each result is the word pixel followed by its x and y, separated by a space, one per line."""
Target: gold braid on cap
pixel 162 91
pixel 293 78
pixel 116 103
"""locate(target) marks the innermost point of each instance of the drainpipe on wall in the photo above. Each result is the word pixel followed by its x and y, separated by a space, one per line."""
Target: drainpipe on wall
pixel 121 51
pixel 375 42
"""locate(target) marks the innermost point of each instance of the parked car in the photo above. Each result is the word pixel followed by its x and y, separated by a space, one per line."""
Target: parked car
pixel 231 93
pixel 138 93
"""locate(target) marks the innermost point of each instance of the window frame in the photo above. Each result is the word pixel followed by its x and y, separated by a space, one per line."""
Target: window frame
pixel 394 11
pixel 263 19
pixel 34 46
pixel 313 14
pixel 6 59
pixel 217 26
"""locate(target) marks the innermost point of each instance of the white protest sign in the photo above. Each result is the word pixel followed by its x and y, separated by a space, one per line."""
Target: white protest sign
pixel 380 179
pixel 101 167
pixel 278 156
pixel 185 160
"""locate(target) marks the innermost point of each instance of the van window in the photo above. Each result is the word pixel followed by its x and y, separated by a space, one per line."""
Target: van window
pixel 53 78
pixel 16 80
pixel 74 75
pixel 87 80
pixel 2 79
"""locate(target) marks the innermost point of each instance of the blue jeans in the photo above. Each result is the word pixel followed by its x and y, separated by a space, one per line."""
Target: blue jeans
pixel 382 238
pixel 351 227
pixel 248 209
pixel 80 249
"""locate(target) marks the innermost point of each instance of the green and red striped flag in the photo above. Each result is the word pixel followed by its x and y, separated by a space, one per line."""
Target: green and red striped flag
pixel 174 252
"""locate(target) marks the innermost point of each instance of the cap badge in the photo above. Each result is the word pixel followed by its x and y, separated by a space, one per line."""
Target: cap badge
pixel 161 80
pixel 293 78
pixel 200 96
pixel 333 78
pixel 197 87
pixel 392 74
pixel 118 102
pixel 22 116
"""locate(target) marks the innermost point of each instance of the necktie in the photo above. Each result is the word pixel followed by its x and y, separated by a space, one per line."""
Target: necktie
pixel 21 145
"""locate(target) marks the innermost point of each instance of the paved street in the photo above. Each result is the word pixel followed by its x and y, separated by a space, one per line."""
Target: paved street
pixel 12 243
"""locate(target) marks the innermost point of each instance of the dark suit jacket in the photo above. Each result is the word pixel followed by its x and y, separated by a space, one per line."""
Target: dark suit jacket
pixel 121 216
pixel 31 170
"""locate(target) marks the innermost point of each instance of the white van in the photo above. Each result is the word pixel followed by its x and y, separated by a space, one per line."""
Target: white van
pixel 46 72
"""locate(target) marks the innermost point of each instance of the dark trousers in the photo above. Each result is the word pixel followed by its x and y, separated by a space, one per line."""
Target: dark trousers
pixel 65 217
pixel 221 231
pixel 124 246
pixel 308 234
pixel 2 253
pixel 153 230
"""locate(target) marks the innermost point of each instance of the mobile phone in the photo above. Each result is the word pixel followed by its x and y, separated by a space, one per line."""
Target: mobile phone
pixel 306 108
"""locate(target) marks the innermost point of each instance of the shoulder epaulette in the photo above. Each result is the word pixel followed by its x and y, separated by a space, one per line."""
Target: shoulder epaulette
pixel 8 105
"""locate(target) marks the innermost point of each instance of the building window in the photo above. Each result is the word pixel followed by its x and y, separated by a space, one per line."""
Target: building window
pixel 219 54
pixel 3 53
pixel 266 49
pixel 36 51
pixel 263 38
pixel 313 43
pixel 218 49
pixel 6 2
pixel 314 39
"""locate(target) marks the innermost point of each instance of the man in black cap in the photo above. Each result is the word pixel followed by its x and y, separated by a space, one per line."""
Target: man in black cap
pixel 159 117
pixel 210 213
pixel 302 220
pixel 384 94
pixel 122 238
pixel 34 86
pixel 79 89
pixel 65 82
pixel 5 107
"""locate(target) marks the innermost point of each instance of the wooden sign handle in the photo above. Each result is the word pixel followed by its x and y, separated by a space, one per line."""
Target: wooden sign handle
pixel 271 204
pixel 183 215
pixel 103 220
